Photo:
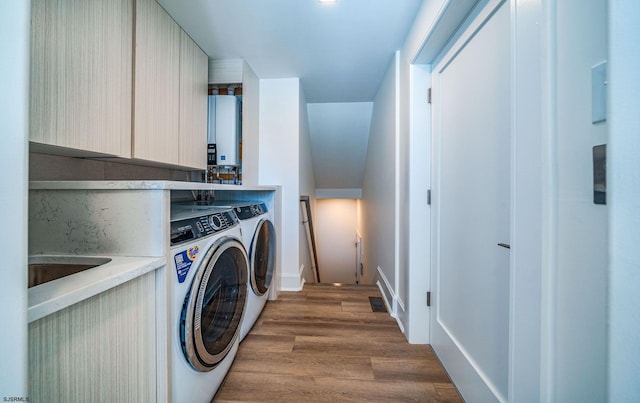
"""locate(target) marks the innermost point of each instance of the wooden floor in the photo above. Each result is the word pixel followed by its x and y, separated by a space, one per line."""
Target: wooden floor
pixel 325 344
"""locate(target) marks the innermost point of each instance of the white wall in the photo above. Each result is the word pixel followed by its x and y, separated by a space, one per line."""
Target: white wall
pixel 336 237
pixel 581 269
pixel 250 125
pixel 421 31
pixel 623 181
pixel 307 188
pixel 279 164
pixel 14 125
pixel 399 139
pixel 339 169
pixel 402 193
pixel 379 188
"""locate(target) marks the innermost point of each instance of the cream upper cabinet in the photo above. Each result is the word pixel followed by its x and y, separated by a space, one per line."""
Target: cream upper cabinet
pixel 93 80
pixel 170 112
pixel 193 104
pixel 81 75
pixel 157 84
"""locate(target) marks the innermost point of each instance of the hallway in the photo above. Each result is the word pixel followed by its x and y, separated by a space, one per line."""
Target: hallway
pixel 325 344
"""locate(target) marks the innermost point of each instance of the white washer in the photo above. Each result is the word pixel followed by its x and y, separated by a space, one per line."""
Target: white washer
pixel 259 238
pixel 208 264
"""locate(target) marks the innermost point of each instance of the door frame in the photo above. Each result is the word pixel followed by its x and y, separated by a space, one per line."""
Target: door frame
pixel 531 186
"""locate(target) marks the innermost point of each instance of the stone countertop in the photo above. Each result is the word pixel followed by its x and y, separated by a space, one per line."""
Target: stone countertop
pixel 56 295
pixel 141 185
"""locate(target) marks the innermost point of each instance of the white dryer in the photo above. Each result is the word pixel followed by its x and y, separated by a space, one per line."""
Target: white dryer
pixel 259 237
pixel 208 268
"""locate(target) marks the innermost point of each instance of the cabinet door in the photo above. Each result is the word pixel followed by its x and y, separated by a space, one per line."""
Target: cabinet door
pixel 100 349
pixel 81 72
pixel 157 84
pixel 193 104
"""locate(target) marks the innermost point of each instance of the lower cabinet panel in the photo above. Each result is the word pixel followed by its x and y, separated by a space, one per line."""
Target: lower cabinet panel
pixel 99 350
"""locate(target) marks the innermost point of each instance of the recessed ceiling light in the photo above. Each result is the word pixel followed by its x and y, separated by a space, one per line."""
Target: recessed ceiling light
pixel 327 1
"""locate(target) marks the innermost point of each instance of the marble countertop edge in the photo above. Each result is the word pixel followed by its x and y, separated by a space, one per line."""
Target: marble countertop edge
pixel 140 185
pixel 48 298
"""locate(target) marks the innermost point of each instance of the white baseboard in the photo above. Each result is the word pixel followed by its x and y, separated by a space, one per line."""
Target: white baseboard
pixel 388 295
pixel 292 281
pixel 391 300
pixel 401 314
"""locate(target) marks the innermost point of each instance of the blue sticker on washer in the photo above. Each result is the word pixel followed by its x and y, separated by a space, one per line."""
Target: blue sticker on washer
pixel 183 261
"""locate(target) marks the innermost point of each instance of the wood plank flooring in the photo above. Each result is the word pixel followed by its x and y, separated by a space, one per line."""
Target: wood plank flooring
pixel 325 344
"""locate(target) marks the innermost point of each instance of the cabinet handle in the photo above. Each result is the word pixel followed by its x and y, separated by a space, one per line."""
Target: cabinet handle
pixel 505 245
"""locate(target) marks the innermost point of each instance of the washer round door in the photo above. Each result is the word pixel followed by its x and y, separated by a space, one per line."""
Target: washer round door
pixel 263 256
pixel 213 309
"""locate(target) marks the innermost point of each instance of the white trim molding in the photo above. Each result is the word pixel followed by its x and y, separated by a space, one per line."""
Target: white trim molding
pixel 527 184
pixel 384 291
pixel 292 282
pixel 401 313
pixel 354 193
pixel 387 292
pixel 391 300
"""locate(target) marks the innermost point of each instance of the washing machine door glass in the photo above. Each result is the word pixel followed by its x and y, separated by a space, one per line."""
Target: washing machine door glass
pixel 213 309
pixel 263 256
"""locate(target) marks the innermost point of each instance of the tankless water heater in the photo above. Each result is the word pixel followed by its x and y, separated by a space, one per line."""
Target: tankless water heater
pixel 224 128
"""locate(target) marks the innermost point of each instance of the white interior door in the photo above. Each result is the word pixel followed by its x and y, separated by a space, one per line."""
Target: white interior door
pixel 336 240
pixel 471 206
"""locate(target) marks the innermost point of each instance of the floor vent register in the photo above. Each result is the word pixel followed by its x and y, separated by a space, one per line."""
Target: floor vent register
pixel 377 305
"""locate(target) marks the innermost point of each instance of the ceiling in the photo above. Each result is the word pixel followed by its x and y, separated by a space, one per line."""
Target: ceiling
pixel 340 51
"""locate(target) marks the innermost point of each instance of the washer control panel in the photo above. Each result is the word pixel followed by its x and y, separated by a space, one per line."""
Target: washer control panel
pixel 193 228
pixel 250 210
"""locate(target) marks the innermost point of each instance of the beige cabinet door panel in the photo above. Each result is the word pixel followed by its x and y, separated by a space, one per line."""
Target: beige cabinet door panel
pixel 81 72
pixel 157 85
pixel 193 104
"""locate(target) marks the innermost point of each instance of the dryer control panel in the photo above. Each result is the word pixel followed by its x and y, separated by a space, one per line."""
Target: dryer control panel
pixel 193 228
pixel 250 210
